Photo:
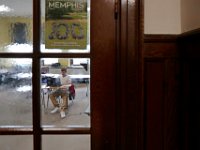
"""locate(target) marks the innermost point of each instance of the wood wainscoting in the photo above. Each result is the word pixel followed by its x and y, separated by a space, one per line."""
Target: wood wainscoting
pixel 190 88
pixel 161 92
pixel 171 91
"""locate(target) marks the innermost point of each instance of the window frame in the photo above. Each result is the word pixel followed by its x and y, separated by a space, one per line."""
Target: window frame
pixel 37 130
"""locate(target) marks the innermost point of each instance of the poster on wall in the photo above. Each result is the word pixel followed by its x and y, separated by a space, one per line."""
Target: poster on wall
pixel 66 24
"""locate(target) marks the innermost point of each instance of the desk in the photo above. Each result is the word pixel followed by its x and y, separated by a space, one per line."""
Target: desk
pixel 16 79
pixel 75 79
pixel 81 79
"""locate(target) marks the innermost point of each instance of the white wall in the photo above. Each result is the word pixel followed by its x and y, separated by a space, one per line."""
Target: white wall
pixel 162 16
pixel 171 16
pixel 190 11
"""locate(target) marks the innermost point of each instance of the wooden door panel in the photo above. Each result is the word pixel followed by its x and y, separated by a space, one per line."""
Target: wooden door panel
pixel 103 74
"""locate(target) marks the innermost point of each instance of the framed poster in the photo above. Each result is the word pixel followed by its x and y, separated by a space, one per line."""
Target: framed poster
pixel 66 24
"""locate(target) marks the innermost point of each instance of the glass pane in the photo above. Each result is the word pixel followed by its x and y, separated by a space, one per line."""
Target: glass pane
pixel 76 92
pixel 16 142
pixel 15 91
pixel 60 142
pixel 65 26
pixel 16 26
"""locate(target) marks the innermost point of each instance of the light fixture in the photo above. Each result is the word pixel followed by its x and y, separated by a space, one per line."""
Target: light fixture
pixel 4 9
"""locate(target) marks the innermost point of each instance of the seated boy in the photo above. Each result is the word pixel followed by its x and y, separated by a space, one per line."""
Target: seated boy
pixel 61 91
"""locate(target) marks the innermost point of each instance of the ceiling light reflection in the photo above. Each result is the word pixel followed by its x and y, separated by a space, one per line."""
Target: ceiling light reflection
pixel 4 8
pixel 25 48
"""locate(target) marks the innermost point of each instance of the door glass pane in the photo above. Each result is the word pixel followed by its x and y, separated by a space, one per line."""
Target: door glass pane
pixel 16 26
pixel 15 92
pixel 65 26
pixel 16 142
pixel 76 92
pixel 71 142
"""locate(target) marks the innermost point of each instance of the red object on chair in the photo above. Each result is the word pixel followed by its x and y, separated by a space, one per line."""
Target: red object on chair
pixel 72 92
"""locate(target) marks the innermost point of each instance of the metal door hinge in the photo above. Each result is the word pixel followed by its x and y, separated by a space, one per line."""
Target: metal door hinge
pixel 116 9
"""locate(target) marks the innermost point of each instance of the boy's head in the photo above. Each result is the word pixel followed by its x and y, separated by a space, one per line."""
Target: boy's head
pixel 63 71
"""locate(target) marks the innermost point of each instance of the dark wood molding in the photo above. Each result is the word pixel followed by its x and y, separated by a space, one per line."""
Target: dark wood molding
pixel 157 46
pixel 151 38
pixel 189 44
pixel 189 34
pixel 130 75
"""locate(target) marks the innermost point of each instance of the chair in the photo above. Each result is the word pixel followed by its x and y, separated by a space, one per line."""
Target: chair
pixel 71 95
pixel 72 92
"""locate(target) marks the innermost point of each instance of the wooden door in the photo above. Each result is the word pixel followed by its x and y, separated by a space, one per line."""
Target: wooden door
pixel 116 111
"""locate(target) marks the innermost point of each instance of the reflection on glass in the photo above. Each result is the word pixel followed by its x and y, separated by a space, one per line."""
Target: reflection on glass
pixel 15 92
pixel 73 98
pixel 16 142
pixel 16 26
pixel 66 28
pixel 60 142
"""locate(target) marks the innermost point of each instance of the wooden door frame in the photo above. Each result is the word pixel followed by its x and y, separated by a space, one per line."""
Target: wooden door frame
pixel 130 104
pixel 122 127
pixel 117 123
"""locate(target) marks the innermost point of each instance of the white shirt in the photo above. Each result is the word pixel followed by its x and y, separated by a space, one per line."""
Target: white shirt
pixel 65 81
